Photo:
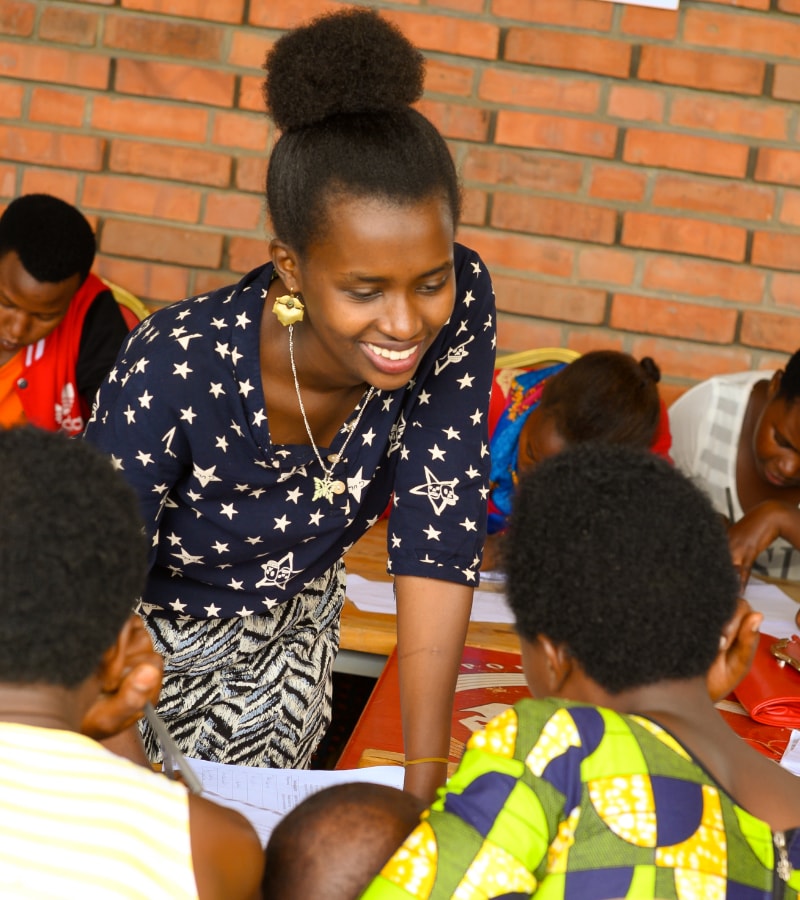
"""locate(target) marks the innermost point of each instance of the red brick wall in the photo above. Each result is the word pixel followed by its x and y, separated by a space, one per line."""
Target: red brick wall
pixel 632 176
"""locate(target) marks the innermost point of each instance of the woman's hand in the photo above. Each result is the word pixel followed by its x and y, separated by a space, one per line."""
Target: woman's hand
pixel 737 646
pixel 756 530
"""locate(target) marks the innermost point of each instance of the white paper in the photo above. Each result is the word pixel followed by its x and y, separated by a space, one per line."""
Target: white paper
pixel 264 796
pixel 378 597
pixel 778 607
pixel 791 755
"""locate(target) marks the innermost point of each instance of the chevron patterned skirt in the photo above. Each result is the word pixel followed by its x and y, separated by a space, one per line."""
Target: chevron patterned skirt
pixel 255 690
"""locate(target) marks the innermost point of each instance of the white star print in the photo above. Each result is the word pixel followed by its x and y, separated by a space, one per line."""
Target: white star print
pixel 212 610
pixel 253 540
pixel 436 453
pixel 468 574
pixel 216 389
pixel 244 612
pixel 236 585
pixel 144 400
pixel 259 417
pixel 476 417
pixel 424 397
pixel 188 415
pixel 130 415
pixel 188 558
pixel 396 541
pixel 472 472
pixel 468 298
pixel 177 605
pixel 242 321
pixel 466 381
pixel 315 518
pixel 222 349
pixel 218 323
pixel 282 523
pixel 205 476
pixel 144 458
pixel 220 548
pixel 469 525
pixel 116 463
pixel 222 443
pixel 357 483
pixel 476 268
pixel 294 495
pixel 183 370
pixel 228 510
pixel 235 356
pixel 245 387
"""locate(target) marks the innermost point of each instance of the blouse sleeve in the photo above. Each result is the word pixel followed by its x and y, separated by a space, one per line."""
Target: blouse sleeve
pixel 438 520
pixel 689 417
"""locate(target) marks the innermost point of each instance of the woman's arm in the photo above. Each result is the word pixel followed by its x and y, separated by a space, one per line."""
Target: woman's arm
pixel 758 528
pixel 432 619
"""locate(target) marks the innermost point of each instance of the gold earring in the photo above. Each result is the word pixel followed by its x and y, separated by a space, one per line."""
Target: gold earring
pixel 289 309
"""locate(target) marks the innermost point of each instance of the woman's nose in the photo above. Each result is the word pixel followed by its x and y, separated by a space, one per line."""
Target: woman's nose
pixel 17 326
pixel 402 321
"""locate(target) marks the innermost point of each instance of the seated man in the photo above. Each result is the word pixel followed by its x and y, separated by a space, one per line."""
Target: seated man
pixel 60 328
pixel 305 855
pixel 76 820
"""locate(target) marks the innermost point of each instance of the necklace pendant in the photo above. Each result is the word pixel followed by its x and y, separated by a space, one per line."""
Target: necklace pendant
pixel 323 488
pixel 337 487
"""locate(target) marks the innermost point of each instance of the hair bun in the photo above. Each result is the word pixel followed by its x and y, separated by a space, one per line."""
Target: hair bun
pixel 352 61
pixel 650 369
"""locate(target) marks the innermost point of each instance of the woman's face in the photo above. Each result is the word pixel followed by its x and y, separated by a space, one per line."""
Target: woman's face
pixel 378 286
pixel 538 440
pixel 776 441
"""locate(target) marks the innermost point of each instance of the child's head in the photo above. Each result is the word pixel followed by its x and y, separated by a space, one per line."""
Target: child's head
pixel 72 557
pixel 604 395
pixel 331 845
pixel 615 555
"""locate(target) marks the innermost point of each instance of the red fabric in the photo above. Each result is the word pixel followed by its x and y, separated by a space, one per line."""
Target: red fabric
pixel 770 692
pixel 662 442
pixel 47 388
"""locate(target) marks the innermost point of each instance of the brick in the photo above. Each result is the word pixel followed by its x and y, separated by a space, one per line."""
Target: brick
pixel 246 253
pixel 161 243
pixel 11 97
pixel 765 121
pixel 681 235
pixel 137 197
pixel 789 6
pixel 251 174
pixel 568 50
pixel 790 209
pixel 544 300
pixel 466 122
pixel 701 71
pixel 240 130
pixel 745 4
pixel 542 91
pixel 496 166
pixel 148 281
pixel 242 212
pixel 443 78
pixel 731 199
pixel 8 180
pixel 626 101
pixel 617 183
pixel 50 181
pixel 607 266
pixel 473 6
pixel 652 23
pixel 57 107
pixel 685 360
pixel 786 83
pixel 778 166
pixel 771 331
pixel 593 339
pixel 17 18
pixel 667 318
pixel 777 250
pixel 37 63
pixel 703 278
pixel 268 14
pixel 148 118
pixel 570 13
pixel 584 136
pixel 474 205
pixel 249 49
pixel 219 11
pixel 69 151
pixel 251 93
pixel 785 289
pixel 516 333
pixel 163 38
pixel 770 35
pixel 558 218
pixel 454 35
pixel 667 150
pixel 523 252
pixel 178 163
pixel 175 81
pixel 68 26
pixel 204 280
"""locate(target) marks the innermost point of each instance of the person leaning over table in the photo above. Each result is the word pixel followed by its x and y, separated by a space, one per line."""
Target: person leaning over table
pixel 60 327
pixel 738 437
pixel 266 425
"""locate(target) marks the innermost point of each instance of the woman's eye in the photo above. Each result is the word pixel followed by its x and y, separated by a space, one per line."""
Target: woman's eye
pixel 432 288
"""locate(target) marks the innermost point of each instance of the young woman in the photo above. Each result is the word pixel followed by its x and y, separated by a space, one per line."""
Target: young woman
pixel 738 437
pixel 620 779
pixel 265 426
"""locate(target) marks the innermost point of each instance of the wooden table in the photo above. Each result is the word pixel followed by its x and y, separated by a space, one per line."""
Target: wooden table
pixel 367 639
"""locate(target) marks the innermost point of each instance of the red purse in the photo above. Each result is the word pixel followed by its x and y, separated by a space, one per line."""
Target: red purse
pixel 770 692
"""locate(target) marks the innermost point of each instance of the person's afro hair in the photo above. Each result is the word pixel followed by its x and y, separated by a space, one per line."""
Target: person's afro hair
pixel 616 555
pixel 72 557
pixel 52 238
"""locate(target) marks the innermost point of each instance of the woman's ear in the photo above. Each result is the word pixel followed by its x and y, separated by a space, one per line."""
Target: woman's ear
pixel 558 664
pixel 286 264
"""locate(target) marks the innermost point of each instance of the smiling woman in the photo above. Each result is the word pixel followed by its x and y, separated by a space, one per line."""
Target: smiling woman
pixel 266 426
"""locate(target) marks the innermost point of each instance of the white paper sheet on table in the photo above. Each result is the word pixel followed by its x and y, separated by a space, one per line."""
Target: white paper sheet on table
pixel 778 607
pixel 264 796
pixel 378 597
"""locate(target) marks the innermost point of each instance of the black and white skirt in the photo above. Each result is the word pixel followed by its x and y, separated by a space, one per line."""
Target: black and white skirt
pixel 254 690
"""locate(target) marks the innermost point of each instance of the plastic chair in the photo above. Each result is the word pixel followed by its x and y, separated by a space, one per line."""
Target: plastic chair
pixel 131 307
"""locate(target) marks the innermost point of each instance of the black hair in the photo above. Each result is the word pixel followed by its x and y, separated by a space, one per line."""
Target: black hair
pixel 72 557
pixel 340 89
pixel 789 388
pixel 615 554
pixel 336 841
pixel 52 238
pixel 607 396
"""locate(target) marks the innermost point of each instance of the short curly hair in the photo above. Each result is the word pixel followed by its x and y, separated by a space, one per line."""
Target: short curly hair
pixel 52 238
pixel 340 89
pixel 616 555
pixel 72 557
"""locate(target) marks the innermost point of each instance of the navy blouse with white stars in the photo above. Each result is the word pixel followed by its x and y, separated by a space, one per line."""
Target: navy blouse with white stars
pixel 234 525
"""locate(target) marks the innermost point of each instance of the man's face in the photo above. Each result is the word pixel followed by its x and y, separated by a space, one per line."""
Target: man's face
pixel 29 309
